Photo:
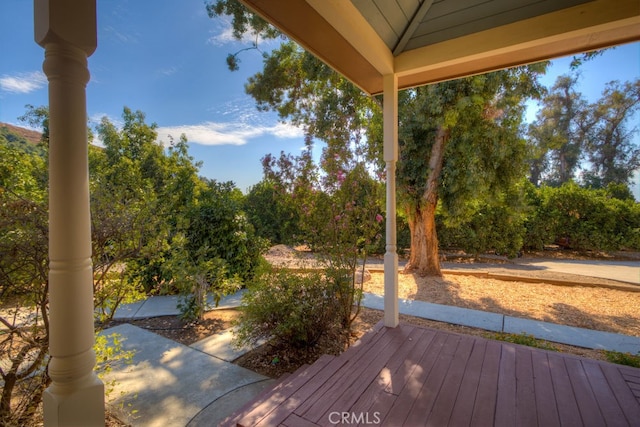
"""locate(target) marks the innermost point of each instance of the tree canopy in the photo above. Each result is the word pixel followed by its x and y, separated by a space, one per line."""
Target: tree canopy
pixel 458 140
pixel 461 142
pixel 593 143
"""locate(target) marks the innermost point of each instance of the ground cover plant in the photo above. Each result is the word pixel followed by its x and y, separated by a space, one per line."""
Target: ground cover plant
pixel 522 339
pixel 623 358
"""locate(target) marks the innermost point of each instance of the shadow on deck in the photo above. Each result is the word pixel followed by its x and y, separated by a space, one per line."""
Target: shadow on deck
pixel 414 376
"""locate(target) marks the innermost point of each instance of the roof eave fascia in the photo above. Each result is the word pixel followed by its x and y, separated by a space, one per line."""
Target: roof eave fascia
pixel 590 26
pixel 336 33
pixel 345 18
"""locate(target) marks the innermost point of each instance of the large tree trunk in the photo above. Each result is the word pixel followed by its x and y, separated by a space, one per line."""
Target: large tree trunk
pixel 424 259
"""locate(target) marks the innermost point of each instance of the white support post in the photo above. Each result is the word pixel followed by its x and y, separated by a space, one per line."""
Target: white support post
pixel 67 31
pixel 390 105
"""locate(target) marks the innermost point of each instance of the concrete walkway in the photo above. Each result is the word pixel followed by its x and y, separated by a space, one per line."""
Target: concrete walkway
pixel 170 384
pixel 622 271
pixel 625 272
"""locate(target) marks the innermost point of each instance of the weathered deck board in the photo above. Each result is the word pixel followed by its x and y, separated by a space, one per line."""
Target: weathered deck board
pixel 463 407
pixel 484 409
pixel 415 376
pixel 546 403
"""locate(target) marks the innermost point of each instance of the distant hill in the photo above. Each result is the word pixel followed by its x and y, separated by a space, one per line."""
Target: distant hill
pixel 28 135
pixel 25 140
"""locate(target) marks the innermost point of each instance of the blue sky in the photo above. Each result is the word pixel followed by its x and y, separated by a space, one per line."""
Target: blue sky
pixel 167 59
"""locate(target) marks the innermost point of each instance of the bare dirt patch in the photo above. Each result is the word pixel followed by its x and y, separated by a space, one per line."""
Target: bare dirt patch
pixel 187 333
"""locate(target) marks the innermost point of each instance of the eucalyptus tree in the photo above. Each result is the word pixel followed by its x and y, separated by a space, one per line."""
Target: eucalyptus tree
pixel 570 134
pixel 458 140
pixel 610 148
pixel 557 134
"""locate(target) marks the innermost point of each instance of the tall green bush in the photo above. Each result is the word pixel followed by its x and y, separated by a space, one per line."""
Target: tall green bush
pixel 343 226
pixel 295 308
pixel 582 219
pixel 219 228
pixel 273 213
pixel 196 277
pixel 491 224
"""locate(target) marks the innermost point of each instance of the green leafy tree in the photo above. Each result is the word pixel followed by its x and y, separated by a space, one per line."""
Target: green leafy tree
pixel 613 156
pixel 557 135
pixel 156 202
pixel 218 227
pixel 24 326
pixel 130 224
pixel 37 117
pixel 244 22
pixel 273 213
pixel 458 139
pixel 144 199
pixel 196 277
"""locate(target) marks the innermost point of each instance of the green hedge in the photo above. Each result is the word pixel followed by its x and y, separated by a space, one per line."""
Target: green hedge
pixel 571 216
pixel 581 219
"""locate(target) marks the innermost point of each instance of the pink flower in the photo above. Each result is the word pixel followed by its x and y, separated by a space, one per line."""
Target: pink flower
pixel 341 177
pixel 379 218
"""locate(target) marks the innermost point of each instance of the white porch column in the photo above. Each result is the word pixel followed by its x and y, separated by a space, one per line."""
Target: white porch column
pixel 67 31
pixel 390 105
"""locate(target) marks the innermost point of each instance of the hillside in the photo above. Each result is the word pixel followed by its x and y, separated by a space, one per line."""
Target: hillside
pixel 31 136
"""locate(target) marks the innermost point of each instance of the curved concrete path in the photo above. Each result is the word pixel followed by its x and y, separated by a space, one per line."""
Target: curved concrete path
pixel 170 384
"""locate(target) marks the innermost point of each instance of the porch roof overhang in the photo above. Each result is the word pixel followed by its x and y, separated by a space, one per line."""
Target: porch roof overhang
pixel 426 41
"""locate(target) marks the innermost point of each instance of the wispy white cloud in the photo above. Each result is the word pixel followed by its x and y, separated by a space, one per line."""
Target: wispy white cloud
pixel 23 82
pixel 213 133
pixel 223 35
pixel 168 71
pixel 113 33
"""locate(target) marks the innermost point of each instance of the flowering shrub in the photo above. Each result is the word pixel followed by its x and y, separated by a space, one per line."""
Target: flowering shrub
pixel 340 219
pixel 343 225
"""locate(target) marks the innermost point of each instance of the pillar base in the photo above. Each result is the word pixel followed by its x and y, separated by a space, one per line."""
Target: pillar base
pixel 391 314
pixel 79 405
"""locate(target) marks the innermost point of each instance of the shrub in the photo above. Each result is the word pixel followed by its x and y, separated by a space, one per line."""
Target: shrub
pixel 273 213
pixel 195 278
pixel 218 228
pixel 582 219
pixel 496 224
pixel 343 225
pixel 296 308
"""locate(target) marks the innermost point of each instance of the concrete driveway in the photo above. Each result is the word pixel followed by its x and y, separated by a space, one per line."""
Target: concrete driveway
pixel 624 271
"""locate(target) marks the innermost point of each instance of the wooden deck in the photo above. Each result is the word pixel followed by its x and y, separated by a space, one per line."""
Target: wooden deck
pixel 414 376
